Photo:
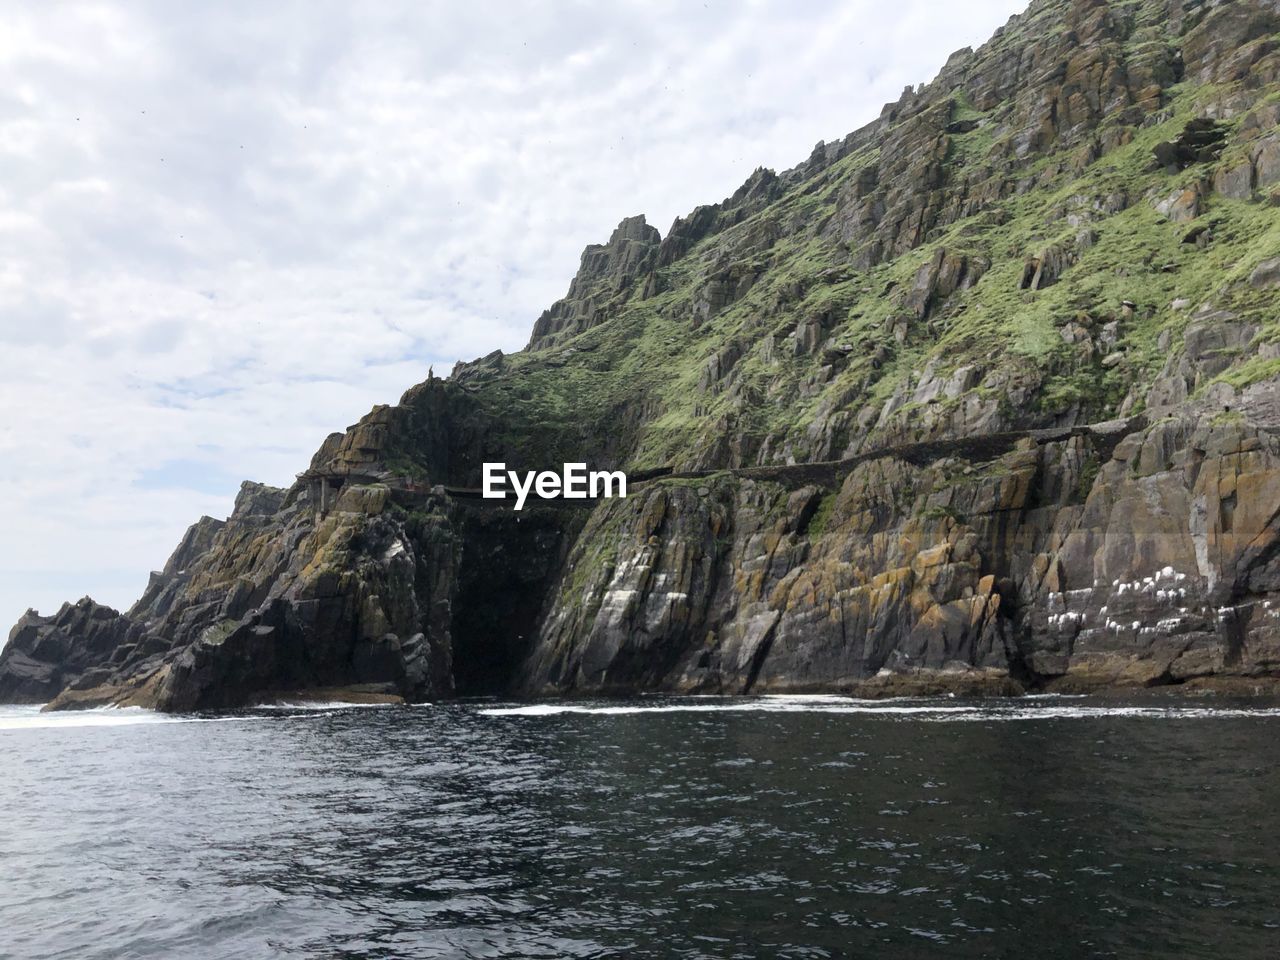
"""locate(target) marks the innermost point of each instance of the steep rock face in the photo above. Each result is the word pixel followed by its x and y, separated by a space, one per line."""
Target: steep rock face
pixel 270 603
pixel 361 599
pixel 1114 556
pixel 979 398
pixel 76 646
pixel 1167 571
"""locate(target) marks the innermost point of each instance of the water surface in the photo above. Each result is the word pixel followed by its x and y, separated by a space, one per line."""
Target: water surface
pixel 790 827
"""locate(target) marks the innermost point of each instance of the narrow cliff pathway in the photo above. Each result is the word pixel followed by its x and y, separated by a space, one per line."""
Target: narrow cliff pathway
pixel 831 473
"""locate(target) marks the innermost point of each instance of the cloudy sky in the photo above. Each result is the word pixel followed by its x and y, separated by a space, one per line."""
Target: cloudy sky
pixel 227 230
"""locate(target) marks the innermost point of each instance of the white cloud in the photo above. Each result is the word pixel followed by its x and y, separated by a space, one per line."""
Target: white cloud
pixel 227 230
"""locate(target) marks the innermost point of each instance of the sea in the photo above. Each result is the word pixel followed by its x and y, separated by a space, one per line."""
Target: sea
pixel 812 827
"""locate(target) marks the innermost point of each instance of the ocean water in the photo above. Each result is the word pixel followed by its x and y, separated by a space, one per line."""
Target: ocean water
pixel 768 827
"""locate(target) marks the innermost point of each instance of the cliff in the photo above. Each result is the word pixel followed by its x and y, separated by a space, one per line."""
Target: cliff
pixel 982 397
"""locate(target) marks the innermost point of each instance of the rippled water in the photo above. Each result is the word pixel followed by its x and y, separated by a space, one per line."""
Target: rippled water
pixel 790 827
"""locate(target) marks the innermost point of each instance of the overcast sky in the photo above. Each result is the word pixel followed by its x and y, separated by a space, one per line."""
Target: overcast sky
pixel 227 230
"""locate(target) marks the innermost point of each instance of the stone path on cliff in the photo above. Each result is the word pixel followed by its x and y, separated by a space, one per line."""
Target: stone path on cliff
pixel 831 473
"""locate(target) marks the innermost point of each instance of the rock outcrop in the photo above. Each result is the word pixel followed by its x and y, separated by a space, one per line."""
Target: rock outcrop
pixel 981 398
pixel 607 270
pixel 1114 555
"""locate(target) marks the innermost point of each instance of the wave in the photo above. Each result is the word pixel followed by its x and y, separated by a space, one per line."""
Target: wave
pixel 927 711
pixel 323 705
pixel 31 718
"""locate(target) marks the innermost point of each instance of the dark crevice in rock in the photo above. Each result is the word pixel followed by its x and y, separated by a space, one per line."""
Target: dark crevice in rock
pixel 507 565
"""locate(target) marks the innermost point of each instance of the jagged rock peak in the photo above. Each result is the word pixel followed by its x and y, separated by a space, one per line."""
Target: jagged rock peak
pixel 606 270
pixel 625 253
pixel 257 499
pixel 635 228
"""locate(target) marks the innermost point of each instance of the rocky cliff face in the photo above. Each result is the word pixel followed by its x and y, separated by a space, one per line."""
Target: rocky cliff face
pixel 979 398
pixel 1110 555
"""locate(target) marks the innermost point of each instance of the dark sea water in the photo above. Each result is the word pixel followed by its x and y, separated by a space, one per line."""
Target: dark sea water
pixel 778 827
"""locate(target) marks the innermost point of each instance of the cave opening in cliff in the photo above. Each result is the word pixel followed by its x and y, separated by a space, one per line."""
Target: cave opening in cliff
pixel 489 646
pixel 493 631
pixel 509 563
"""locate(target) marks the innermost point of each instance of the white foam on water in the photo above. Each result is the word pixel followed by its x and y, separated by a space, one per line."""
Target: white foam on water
pixel 761 705
pixel 936 712
pixel 1089 713
pixel 322 705
pixel 30 718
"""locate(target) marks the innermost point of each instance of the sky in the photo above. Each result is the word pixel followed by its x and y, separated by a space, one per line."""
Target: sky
pixel 228 230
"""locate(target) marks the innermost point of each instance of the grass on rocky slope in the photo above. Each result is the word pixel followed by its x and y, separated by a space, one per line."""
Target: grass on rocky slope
pixel 652 354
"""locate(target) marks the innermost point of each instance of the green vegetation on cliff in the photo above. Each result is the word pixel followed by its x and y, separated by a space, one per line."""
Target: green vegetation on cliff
pixel 990 254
